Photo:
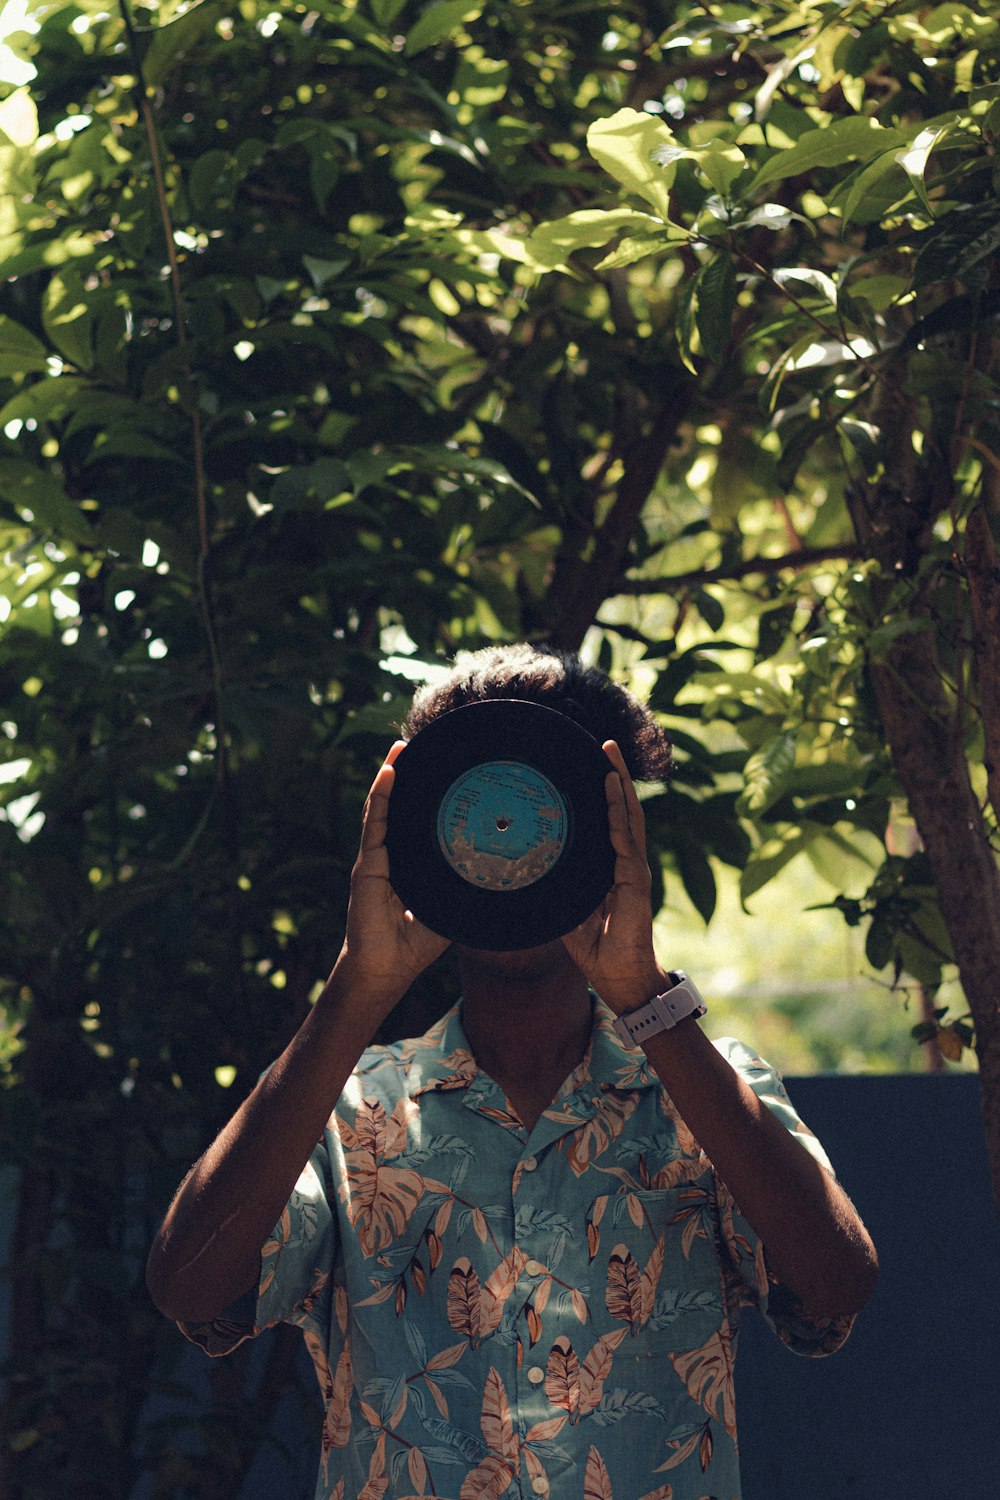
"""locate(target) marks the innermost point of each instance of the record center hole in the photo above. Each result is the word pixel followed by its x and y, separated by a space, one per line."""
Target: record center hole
pixel 503 824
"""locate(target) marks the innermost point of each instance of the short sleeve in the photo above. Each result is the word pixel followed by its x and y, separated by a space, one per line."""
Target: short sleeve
pixel 750 1282
pixel 295 1264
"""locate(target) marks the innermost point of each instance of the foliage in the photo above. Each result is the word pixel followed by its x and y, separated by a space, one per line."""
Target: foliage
pixel 333 340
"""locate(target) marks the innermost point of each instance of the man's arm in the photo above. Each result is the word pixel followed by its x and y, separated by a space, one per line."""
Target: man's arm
pixel 207 1251
pixel 815 1241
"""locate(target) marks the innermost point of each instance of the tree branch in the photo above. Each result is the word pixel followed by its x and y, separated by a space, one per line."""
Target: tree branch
pixel 807 557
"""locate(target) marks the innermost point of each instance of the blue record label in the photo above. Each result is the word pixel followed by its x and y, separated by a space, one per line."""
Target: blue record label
pixel 502 825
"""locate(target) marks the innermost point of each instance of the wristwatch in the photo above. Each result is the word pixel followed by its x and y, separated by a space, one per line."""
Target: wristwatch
pixel 663 1012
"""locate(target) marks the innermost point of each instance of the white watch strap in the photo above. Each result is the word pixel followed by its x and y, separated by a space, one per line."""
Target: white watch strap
pixel 662 1012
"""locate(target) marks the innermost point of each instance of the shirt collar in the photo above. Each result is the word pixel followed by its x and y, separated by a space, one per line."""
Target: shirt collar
pixel 442 1058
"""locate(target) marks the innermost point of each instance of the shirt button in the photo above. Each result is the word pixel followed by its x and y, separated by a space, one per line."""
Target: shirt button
pixel 534 1268
pixel 536 1374
pixel 529 1164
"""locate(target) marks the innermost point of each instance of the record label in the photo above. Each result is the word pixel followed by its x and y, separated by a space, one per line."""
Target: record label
pixel 502 825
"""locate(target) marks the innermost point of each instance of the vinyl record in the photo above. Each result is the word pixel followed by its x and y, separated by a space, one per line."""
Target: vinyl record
pixel 498 825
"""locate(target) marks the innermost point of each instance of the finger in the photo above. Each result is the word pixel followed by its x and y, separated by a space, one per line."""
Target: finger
pixel 633 807
pixel 619 827
pixel 376 813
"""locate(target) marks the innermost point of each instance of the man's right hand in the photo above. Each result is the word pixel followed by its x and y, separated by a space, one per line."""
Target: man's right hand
pixel 385 947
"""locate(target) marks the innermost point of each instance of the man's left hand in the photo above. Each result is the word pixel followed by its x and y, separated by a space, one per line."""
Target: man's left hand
pixel 614 946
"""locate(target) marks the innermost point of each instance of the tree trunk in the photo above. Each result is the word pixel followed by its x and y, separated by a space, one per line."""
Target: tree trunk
pixel 925 728
pixel 932 767
pixel 592 559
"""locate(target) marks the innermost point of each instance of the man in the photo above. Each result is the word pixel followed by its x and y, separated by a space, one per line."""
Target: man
pixel 516 1252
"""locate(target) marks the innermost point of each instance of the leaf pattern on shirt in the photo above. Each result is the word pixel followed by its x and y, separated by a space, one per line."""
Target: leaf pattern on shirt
pixel 337 1390
pixel 708 1375
pixel 499 1285
pixel 594 1136
pixel 464 1294
pixel 562 1377
pixel 379 1198
pixel 488 1480
pixel 497 1427
pixel 475 1310
pixel 378 1480
pixel 682 1444
pixel 493 1474
pixel 631 1293
pixel 596 1479
pixel 596 1368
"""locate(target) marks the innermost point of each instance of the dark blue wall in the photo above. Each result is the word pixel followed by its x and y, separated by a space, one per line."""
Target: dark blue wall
pixel 909 1409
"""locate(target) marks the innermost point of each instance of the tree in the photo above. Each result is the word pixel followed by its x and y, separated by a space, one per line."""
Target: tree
pixel 329 346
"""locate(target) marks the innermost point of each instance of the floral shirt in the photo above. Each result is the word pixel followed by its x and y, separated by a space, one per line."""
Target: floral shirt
pixel 496 1314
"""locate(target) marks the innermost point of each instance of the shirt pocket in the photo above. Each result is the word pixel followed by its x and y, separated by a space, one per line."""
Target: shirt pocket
pixel 655 1267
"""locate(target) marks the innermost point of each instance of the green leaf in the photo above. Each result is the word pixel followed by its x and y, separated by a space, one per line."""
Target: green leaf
pixel 204 175
pixel 386 11
pixel 914 162
pixel 767 773
pixel 882 640
pixel 550 244
pixel 311 486
pixel 24 485
pixel 879 941
pixel 438 22
pixel 124 442
pixel 720 162
pixel 634 247
pixel 624 145
pixel 844 862
pixel 68 319
pixel 323 271
pixel 960 240
pixel 172 41
pixel 865 439
pixel 778 74
pixel 715 300
pixel 820 282
pixel 771 858
pixel 20 352
pixel 45 255
pixel 697 877
pixel 855 138
pixel 19 119
pixel 773 216
pixel 46 400
pixel 710 609
pixel 862 184
pixel 685 330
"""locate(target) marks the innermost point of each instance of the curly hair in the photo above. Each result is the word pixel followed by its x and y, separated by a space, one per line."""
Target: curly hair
pixel 556 679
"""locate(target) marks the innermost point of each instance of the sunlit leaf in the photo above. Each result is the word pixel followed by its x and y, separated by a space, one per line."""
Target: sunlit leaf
pixel 439 21
pixel 854 138
pixel 551 243
pixel 915 158
pixel 624 145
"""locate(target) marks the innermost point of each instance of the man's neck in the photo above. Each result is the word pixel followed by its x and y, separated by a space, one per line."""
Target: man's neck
pixel 528 1017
